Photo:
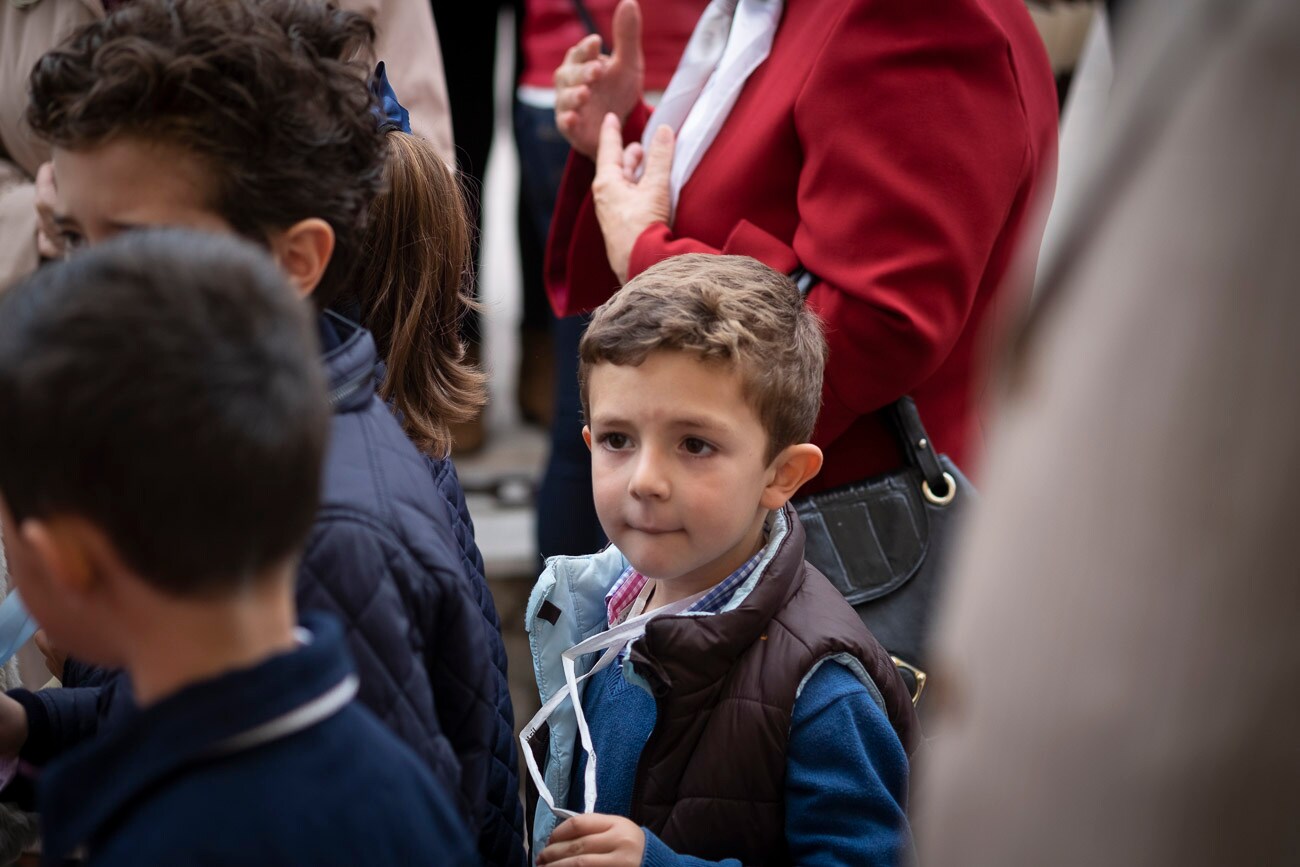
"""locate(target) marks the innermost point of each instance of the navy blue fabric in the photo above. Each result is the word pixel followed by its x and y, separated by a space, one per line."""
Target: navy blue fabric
pixel 161 790
pixel 382 556
pixel 501 835
pixel 78 674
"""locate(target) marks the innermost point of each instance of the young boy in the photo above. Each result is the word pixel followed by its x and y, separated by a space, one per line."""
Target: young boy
pixel 159 473
pixel 756 719
pixel 254 117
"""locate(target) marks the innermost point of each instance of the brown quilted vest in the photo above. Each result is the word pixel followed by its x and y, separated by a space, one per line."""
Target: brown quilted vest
pixel 711 780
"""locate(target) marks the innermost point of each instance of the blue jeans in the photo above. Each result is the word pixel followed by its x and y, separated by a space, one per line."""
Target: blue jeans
pixel 566 513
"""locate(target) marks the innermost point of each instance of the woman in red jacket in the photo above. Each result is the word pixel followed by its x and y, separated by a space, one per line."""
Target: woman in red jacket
pixel 896 150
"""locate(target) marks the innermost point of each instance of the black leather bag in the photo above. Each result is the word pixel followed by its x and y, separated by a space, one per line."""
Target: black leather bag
pixel 883 542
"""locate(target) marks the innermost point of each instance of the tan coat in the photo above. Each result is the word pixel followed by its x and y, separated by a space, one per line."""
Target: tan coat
pixel 406 39
pixel 1123 634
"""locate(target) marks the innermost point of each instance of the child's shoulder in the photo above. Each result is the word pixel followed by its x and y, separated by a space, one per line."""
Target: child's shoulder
pixel 834 681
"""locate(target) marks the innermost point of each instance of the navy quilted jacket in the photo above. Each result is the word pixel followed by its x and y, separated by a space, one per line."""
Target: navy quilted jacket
pixel 501 835
pixel 383 556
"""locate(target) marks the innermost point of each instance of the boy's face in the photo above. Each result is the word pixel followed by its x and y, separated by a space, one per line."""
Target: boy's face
pixel 678 466
pixel 128 183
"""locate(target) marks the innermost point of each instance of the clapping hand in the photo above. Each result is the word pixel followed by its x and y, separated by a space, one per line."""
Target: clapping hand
pixel 590 85
pixel 625 206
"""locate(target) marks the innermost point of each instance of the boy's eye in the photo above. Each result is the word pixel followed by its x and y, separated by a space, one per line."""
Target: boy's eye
pixel 696 446
pixel 614 441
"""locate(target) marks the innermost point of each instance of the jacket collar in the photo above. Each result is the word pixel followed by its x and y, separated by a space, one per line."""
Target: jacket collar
pixel 349 356
pixel 90 786
pixel 713 645
pixel 577 586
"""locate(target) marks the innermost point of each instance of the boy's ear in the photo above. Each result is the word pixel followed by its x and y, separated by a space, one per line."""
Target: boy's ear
pixel 64 553
pixel 303 251
pixel 586 435
pixel 788 472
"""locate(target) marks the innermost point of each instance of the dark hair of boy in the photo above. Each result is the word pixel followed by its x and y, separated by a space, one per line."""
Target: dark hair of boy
pixel 269 93
pixel 729 310
pixel 410 286
pixel 222 484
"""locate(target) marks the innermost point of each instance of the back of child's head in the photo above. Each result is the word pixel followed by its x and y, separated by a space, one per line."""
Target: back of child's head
pixel 165 388
pixel 409 286
pixel 732 311
pixel 270 95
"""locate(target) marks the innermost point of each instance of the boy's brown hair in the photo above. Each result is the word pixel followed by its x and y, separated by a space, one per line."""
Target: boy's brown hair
pixel 729 310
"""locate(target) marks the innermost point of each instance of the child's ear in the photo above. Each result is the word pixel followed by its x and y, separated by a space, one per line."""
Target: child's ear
pixel 586 435
pixel 61 552
pixel 303 251
pixel 788 472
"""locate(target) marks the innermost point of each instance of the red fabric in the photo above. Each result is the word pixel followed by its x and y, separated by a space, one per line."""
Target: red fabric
pixel 552 27
pixel 895 149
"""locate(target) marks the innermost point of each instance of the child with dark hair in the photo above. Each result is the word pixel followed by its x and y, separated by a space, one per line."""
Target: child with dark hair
pixel 155 500
pixel 255 118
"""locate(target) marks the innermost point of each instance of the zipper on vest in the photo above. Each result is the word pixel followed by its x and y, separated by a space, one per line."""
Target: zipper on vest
pixel 349 388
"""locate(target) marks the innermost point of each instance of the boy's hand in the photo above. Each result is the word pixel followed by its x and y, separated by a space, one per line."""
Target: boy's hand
pixel 626 207
pixel 595 840
pixel 589 84
pixel 13 727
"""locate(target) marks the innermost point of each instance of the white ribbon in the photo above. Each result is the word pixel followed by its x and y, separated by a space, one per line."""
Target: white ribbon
pixel 730 41
pixel 611 641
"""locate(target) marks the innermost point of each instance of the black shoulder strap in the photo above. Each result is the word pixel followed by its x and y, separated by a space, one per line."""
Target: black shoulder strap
pixel 584 15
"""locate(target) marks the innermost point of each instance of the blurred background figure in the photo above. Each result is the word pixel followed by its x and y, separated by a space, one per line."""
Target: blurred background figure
pixel 566 517
pixel 1121 639
pixel 467 34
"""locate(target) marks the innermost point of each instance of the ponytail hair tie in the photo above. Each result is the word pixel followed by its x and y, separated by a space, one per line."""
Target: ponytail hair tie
pixel 389 112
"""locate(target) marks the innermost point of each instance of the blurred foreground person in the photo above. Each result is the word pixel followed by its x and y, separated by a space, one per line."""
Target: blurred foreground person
pixel 162 534
pixel 1122 633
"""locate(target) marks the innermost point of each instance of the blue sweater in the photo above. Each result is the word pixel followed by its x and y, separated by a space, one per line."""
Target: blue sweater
pixel 260 766
pixel 846 772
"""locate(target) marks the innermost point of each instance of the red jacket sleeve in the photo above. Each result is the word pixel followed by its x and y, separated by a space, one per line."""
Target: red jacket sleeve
pixel 901 207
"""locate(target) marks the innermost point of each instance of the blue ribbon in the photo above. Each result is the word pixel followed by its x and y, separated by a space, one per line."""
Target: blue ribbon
pixel 390 113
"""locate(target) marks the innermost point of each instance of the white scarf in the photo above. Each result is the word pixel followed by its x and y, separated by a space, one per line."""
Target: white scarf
pixel 731 40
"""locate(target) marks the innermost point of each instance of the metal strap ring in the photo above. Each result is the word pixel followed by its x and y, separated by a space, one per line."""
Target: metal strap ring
pixel 918 676
pixel 947 496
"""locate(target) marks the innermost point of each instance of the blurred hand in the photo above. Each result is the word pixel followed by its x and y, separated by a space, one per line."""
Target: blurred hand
pixel 595 840
pixel 13 727
pixel 589 85
pixel 626 207
pixel 54 657
pixel 49 243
